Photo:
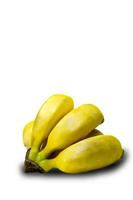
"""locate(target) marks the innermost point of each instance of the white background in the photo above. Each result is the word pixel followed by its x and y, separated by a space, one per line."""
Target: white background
pixel 80 48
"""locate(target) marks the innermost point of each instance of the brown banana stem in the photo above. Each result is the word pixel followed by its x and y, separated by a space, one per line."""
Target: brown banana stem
pixel 31 166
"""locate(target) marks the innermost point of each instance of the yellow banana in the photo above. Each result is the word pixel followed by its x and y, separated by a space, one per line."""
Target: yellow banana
pixel 49 114
pixel 89 154
pixel 73 127
pixel 27 134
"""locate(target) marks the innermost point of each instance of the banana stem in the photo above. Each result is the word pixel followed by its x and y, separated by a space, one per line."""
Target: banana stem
pixel 47 164
pixel 31 166
pixel 33 153
pixel 43 154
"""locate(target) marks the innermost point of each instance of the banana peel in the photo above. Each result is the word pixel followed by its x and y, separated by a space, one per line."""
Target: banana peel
pixel 66 159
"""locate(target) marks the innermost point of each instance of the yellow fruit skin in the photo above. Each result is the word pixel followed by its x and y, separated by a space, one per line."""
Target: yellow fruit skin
pixel 49 114
pixel 27 134
pixel 73 127
pixel 89 154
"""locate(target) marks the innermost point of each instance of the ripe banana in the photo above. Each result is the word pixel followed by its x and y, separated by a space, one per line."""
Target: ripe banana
pixel 48 116
pixel 89 154
pixel 27 134
pixel 71 128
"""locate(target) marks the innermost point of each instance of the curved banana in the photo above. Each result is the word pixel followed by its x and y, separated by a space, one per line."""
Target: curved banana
pixel 48 116
pixel 27 134
pixel 73 127
pixel 89 154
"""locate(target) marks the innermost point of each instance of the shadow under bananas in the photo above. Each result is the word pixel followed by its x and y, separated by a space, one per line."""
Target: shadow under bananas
pixel 56 173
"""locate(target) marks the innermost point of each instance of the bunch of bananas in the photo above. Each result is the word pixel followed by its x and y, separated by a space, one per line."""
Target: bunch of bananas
pixel 65 138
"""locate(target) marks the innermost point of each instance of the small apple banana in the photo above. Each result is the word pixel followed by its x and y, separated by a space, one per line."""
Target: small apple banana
pixel 88 154
pixel 48 116
pixel 71 128
pixel 27 134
